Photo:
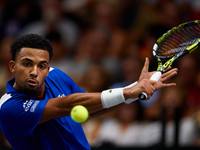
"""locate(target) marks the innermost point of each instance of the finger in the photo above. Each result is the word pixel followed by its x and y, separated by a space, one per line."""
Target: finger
pixel 168 85
pixel 150 91
pixel 169 74
pixel 153 82
pixel 151 87
pixel 168 68
pixel 151 95
pixel 146 64
pixel 170 71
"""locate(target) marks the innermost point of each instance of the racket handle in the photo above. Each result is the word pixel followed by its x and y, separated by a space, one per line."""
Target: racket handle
pixel 155 77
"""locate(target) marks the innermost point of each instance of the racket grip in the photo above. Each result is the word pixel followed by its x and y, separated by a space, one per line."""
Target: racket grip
pixel 155 77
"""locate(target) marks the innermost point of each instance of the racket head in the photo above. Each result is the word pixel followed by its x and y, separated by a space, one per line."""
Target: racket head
pixel 176 40
pixel 173 45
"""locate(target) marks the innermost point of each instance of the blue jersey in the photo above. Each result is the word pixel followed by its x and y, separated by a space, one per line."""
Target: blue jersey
pixel 20 114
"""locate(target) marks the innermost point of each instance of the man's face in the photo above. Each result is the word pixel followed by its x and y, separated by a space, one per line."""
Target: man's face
pixel 30 69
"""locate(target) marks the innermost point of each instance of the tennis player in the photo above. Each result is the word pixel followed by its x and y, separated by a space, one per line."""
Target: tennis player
pixel 34 112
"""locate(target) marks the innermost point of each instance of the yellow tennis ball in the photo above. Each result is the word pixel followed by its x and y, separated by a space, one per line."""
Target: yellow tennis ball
pixel 79 113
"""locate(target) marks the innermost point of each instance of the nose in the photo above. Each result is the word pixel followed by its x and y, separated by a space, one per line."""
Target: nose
pixel 34 71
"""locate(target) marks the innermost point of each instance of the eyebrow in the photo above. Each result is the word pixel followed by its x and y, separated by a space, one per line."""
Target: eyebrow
pixel 27 59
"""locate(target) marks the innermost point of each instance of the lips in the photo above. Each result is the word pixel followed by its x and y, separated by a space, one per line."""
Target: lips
pixel 32 82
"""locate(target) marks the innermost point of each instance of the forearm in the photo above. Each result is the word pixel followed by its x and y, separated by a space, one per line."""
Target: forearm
pixel 99 102
pixel 92 101
pixel 60 107
pixel 103 103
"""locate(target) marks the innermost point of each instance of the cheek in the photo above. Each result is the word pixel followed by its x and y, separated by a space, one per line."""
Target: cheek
pixel 20 78
pixel 20 73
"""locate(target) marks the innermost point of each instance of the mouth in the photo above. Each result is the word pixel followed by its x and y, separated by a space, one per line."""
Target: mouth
pixel 32 82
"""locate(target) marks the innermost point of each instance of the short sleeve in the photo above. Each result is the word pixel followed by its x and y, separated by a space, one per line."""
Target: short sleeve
pixel 21 116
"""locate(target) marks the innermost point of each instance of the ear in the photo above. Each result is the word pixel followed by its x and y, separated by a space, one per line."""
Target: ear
pixel 11 66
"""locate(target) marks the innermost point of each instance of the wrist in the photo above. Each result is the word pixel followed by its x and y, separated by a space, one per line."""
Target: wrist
pixel 129 96
pixel 128 93
pixel 113 97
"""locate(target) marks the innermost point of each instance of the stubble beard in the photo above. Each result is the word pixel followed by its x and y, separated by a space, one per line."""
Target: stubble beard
pixel 30 91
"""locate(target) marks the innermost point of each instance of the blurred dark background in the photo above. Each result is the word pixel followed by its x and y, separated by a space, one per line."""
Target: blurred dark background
pixel 102 44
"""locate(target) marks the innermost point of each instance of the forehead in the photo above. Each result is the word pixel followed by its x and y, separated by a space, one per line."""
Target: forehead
pixel 33 54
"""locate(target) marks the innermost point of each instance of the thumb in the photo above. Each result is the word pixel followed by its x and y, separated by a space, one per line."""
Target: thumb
pixel 153 82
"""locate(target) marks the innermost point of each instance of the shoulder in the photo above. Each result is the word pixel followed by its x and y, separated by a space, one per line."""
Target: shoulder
pixel 56 71
pixel 11 100
pixel 62 80
pixel 10 105
pixel 17 105
pixel 11 97
pixel 57 75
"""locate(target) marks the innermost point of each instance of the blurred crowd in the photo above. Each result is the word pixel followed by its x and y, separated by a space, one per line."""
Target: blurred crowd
pixel 102 44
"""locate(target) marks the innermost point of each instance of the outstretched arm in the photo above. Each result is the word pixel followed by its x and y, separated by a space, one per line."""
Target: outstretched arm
pixel 96 105
pixel 101 103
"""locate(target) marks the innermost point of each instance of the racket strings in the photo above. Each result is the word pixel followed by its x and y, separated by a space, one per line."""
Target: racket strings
pixel 179 40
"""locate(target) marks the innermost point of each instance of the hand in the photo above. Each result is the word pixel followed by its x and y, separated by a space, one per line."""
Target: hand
pixel 165 76
pixel 145 85
pixel 149 86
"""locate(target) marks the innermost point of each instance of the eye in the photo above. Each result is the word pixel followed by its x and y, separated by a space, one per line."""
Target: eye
pixel 42 66
pixel 27 64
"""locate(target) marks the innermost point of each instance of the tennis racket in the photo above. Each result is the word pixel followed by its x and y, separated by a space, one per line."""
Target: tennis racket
pixel 173 45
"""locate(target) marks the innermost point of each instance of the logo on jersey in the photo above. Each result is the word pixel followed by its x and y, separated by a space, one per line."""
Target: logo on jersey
pixel 30 105
pixel 34 106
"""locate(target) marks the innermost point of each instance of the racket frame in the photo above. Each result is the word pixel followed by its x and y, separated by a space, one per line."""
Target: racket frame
pixel 170 59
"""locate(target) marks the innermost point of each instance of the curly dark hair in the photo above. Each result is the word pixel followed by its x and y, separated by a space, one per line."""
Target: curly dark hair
pixel 31 41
